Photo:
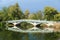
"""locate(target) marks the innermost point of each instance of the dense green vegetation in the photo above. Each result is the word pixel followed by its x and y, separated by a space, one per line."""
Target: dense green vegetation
pixel 14 12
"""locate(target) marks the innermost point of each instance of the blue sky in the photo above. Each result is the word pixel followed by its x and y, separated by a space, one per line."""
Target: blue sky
pixel 32 5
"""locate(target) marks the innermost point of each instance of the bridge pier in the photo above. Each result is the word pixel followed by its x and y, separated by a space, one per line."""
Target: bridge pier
pixel 34 28
pixel 15 25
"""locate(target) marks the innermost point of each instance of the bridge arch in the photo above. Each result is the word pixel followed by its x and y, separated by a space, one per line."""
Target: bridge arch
pixel 41 25
pixel 10 25
pixel 36 25
pixel 24 25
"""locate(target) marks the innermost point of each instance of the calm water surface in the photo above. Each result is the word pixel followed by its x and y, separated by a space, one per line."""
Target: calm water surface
pixel 9 35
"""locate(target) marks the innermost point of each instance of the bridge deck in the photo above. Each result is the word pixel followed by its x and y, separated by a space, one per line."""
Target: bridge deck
pixel 12 21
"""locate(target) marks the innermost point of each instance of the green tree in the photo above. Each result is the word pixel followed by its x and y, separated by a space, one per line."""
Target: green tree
pixel 15 12
pixel 32 16
pixel 1 16
pixel 26 13
pixel 3 13
pixel 49 13
pixel 57 17
pixel 38 16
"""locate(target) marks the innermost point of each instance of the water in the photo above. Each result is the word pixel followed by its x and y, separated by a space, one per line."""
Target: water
pixel 36 37
pixel 9 35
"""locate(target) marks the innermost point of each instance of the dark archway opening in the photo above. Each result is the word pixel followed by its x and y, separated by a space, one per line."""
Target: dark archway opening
pixel 10 25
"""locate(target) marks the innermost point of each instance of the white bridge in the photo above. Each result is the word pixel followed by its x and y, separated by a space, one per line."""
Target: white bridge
pixel 33 29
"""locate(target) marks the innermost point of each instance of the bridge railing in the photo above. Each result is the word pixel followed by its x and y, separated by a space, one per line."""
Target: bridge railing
pixel 31 21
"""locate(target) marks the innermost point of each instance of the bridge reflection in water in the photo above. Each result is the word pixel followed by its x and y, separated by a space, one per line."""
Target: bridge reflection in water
pixel 35 28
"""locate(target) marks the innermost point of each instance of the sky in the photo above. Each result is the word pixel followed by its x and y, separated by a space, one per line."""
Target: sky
pixel 31 5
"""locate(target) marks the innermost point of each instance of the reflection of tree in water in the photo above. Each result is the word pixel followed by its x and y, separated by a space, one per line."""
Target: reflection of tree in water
pixel 36 36
pixel 8 35
pixel 52 36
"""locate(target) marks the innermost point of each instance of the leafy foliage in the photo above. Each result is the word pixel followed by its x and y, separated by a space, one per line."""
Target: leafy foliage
pixel 49 13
